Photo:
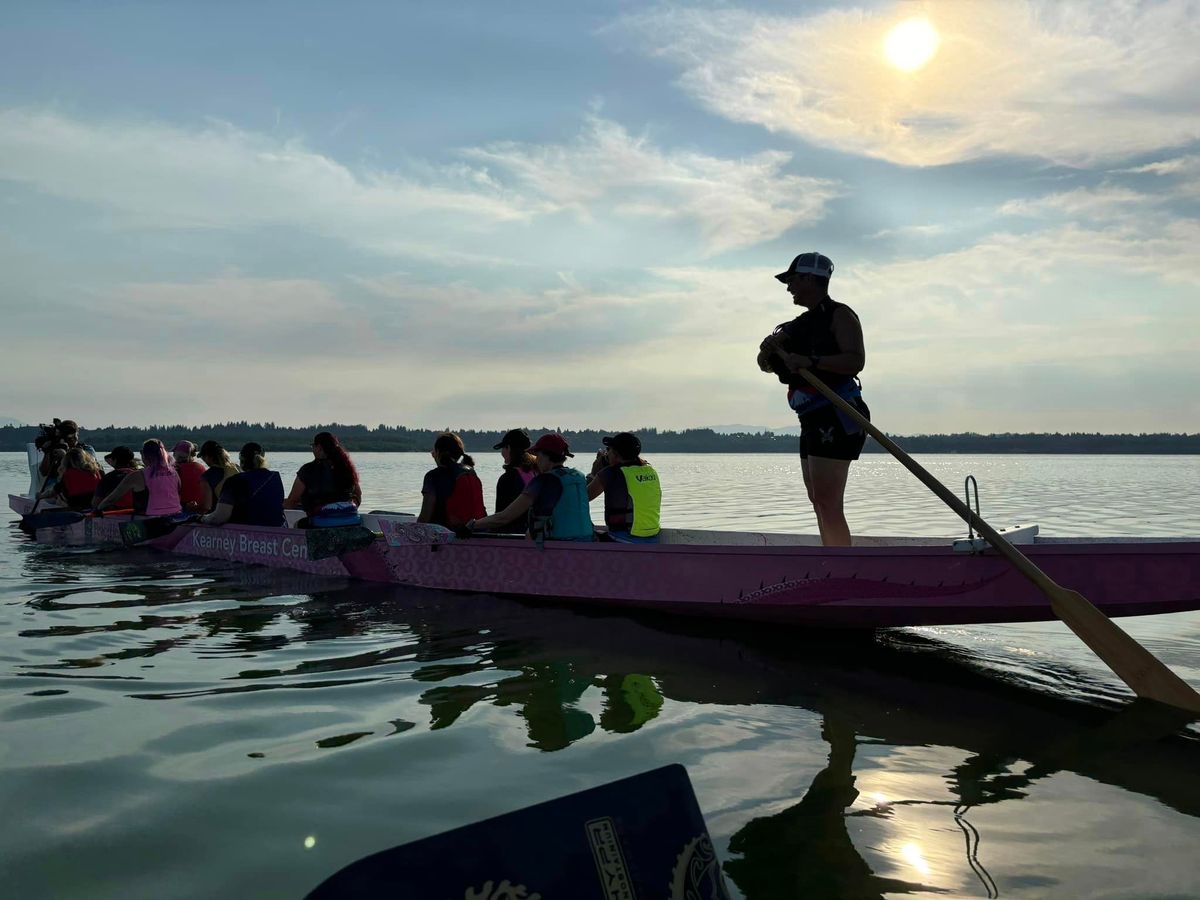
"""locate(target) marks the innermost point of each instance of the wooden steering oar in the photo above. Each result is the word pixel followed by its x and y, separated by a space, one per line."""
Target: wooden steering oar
pixel 1144 673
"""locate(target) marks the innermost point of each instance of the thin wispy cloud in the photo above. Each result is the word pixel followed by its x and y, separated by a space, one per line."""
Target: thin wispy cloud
pixel 154 175
pixel 1078 83
pixel 1084 203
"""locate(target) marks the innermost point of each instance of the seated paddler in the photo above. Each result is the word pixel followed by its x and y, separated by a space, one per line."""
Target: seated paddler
pixel 80 476
pixel 520 468
pixel 157 480
pixel 326 488
pixel 220 468
pixel 191 477
pixel 826 339
pixel 123 463
pixel 451 494
pixel 631 489
pixel 555 503
pixel 254 496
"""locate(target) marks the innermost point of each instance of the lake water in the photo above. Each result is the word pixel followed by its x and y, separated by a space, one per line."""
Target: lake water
pixel 174 727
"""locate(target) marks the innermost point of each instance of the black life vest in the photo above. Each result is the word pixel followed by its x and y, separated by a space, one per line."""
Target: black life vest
pixel 811 334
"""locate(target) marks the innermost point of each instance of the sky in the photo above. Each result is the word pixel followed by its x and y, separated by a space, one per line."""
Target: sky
pixel 547 213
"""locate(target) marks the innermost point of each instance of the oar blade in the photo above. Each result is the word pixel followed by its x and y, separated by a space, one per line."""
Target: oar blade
pixel 50 519
pixel 1140 669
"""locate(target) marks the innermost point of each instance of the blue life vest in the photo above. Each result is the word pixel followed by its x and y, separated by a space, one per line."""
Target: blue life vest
pixel 571 519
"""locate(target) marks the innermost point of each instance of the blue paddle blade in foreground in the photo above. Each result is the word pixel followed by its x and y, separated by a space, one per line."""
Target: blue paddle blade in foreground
pixel 638 837
pixel 51 518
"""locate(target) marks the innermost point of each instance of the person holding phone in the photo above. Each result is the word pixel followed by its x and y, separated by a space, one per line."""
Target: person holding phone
pixel 631 488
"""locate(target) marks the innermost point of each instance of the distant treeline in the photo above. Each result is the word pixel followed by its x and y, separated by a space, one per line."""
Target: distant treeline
pixel 693 440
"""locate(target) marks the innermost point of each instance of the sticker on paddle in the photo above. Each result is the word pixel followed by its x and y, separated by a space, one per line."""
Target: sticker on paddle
pixel 141 530
pixel 637 837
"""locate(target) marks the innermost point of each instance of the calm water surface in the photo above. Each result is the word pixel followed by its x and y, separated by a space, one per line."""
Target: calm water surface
pixel 172 727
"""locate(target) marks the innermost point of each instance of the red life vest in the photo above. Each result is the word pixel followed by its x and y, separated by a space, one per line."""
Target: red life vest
pixel 191 484
pixel 466 500
pixel 78 487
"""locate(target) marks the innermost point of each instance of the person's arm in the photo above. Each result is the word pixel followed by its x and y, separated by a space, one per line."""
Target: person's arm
pixel 209 499
pixel 506 516
pixel 218 516
pixel 293 499
pixel 134 481
pixel 428 503
pixel 596 484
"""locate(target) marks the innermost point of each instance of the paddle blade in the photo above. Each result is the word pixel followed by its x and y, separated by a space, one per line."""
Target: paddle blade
pixel 1140 669
pixel 49 519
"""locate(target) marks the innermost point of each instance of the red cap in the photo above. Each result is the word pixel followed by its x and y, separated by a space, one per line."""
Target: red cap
pixel 552 443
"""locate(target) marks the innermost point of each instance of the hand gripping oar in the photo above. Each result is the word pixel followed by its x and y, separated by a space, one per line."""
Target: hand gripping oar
pixel 1145 674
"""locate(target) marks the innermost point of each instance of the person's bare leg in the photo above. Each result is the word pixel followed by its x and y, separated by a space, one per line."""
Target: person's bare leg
pixel 828 478
pixel 804 469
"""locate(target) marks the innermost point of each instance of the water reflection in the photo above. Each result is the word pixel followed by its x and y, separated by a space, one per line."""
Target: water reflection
pixel 567 677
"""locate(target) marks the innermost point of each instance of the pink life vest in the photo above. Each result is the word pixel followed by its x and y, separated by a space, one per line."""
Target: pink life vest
pixel 163 490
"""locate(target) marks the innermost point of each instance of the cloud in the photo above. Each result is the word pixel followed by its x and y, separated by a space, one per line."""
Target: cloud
pixel 919 231
pixel 1083 203
pixel 1076 83
pixel 1182 173
pixel 1180 165
pixel 736 203
pixel 153 175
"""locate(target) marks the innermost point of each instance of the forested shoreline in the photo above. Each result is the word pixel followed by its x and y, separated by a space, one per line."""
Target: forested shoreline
pixel 694 440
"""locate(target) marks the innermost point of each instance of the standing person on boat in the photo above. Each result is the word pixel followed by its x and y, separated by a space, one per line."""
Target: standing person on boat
pixel 327 488
pixel 631 489
pixel 555 502
pixel 827 339
pixel 520 468
pixel 220 469
pixel 157 479
pixel 80 476
pixel 253 496
pixel 191 474
pixel 68 429
pixel 451 494
pixel 123 463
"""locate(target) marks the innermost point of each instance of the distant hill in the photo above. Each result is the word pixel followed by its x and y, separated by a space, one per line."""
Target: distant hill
pixel 5 420
pixel 754 429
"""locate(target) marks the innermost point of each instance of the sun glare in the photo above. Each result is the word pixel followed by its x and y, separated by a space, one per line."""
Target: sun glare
pixel 911 44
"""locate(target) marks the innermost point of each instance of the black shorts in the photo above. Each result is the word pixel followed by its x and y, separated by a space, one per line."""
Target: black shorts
pixel 822 434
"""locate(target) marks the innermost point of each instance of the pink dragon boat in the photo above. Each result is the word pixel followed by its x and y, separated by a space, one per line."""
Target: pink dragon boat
pixel 764 577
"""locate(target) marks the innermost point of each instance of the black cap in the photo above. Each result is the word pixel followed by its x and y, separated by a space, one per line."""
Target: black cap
pixel 120 457
pixel 517 439
pixel 252 448
pixel 626 444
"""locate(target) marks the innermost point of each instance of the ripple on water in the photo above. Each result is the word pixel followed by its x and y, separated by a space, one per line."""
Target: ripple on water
pixel 153 704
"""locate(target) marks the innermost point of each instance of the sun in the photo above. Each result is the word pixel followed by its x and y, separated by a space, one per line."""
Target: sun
pixel 911 44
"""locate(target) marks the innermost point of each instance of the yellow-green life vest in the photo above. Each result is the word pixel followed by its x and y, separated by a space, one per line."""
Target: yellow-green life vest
pixel 645 494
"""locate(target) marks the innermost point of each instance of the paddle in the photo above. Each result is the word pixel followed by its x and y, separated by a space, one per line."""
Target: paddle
pixel 51 518
pixel 1140 669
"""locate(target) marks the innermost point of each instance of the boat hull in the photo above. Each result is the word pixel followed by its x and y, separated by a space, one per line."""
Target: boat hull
pixel 812 586
pixel 796 584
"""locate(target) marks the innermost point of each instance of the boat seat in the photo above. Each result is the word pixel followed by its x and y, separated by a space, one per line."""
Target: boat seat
pixel 1014 534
